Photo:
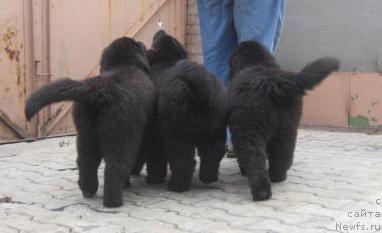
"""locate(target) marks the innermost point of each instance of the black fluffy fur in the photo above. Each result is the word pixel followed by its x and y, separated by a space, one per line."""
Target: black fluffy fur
pixel 191 113
pixel 110 113
pixel 265 105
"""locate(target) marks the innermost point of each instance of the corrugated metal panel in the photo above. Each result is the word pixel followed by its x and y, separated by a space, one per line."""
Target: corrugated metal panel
pixel 13 88
pixel 67 40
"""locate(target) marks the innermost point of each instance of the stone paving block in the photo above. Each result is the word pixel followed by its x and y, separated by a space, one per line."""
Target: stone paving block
pixel 333 173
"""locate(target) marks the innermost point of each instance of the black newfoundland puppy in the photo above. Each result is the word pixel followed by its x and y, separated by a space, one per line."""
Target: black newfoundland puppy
pixel 191 114
pixel 265 105
pixel 110 113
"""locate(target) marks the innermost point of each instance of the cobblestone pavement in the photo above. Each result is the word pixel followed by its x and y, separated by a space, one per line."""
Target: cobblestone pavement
pixel 335 178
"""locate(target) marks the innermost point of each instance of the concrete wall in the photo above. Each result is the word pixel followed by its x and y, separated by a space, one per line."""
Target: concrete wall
pixel 349 29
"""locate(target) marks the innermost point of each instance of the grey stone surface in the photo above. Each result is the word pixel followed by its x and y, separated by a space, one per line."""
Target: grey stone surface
pixel 350 30
pixel 334 174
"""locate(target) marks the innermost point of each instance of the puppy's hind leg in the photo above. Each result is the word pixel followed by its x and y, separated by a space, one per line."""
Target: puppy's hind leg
pixel 119 151
pixel 147 147
pixel 280 150
pixel 115 179
pixel 139 163
pixel 181 156
pixel 211 151
pixel 252 157
pixel 156 167
pixel 88 161
pixel 156 161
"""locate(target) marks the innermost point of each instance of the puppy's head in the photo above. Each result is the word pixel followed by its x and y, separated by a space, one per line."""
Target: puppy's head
pixel 249 53
pixel 124 51
pixel 166 48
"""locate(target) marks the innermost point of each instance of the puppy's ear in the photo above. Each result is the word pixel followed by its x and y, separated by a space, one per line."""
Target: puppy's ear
pixel 178 47
pixel 176 44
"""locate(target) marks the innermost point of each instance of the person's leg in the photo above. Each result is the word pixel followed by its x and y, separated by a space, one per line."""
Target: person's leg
pixel 259 20
pixel 218 35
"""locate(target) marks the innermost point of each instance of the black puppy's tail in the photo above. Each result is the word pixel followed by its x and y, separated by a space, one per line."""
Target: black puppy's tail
pixel 196 77
pixel 317 71
pixel 61 90
pixel 297 84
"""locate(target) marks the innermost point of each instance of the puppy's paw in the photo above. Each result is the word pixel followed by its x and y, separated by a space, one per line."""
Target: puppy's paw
pixel 88 194
pixel 261 195
pixel 260 187
pixel 208 179
pixel 112 203
pixel 178 185
pixel 88 190
pixel 155 180
pixel 209 174
pixel 277 176
pixel 113 198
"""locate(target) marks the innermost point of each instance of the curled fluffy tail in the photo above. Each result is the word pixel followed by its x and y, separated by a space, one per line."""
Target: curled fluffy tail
pixel 61 90
pixel 196 77
pixel 317 71
pixel 294 85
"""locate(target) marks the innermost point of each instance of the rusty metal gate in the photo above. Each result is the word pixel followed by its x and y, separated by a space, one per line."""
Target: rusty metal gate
pixel 43 40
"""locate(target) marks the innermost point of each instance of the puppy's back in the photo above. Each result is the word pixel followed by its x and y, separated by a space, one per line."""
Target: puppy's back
pixel 191 96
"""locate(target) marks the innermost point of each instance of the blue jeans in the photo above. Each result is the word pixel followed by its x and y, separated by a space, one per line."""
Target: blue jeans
pixel 225 23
